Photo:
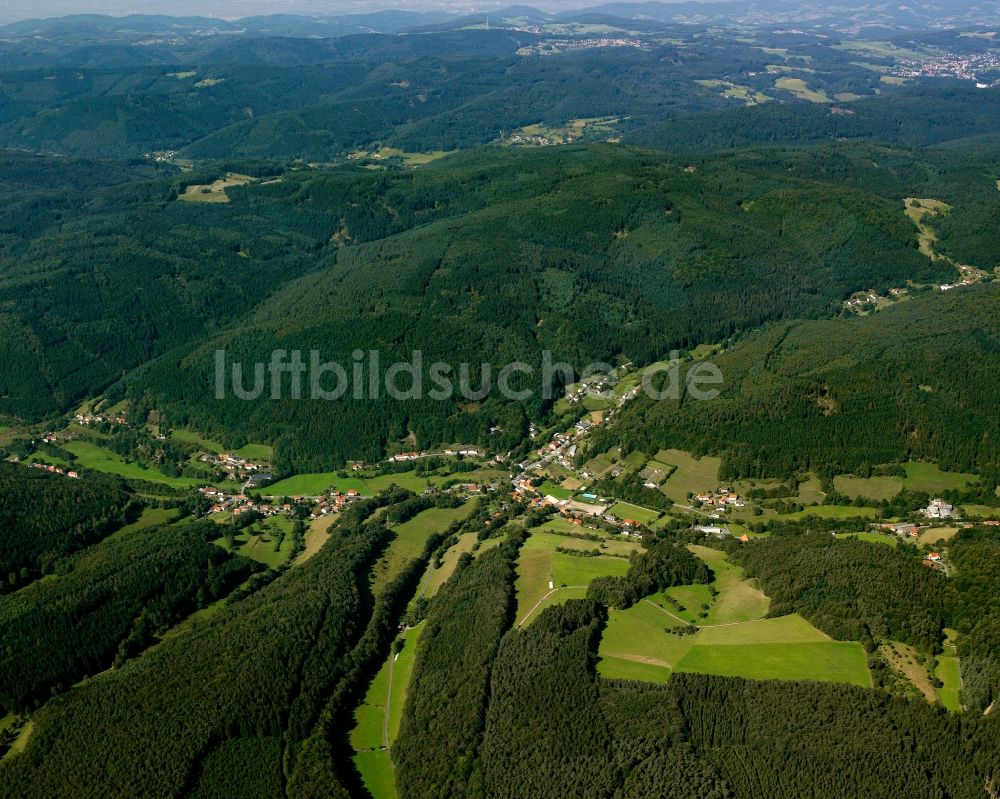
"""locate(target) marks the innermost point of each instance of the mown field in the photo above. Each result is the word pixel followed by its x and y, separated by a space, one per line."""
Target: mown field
pixel 691 475
pixel 542 572
pixel 734 637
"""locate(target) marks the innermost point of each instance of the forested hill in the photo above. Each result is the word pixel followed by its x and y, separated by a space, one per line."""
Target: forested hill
pixel 917 380
pixel 959 112
pixel 590 252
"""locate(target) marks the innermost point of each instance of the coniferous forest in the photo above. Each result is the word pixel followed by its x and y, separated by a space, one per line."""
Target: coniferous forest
pixel 220 576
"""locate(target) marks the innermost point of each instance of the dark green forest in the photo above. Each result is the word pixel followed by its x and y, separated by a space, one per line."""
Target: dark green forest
pixel 45 517
pixel 626 185
pixel 917 380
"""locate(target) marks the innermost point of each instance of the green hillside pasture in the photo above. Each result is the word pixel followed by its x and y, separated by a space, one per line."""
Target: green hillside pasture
pixel 691 475
pixel 929 477
pixel 317 483
pixel 636 645
pixel 191 437
pixel 550 489
pixel 150 517
pixel 873 488
pixel 377 773
pixel 401 674
pixel 435 578
pixel 827 661
pixel 256 452
pixel 542 572
pixel 369 717
pixel 738 599
pixel 948 672
pixel 260 546
pixel 91 456
pixel 829 512
pixel 409 540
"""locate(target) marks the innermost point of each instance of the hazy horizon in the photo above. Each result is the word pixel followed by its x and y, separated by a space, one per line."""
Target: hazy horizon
pixel 17 10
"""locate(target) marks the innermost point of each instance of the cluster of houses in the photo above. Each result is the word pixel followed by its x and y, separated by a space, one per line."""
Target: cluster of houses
pixel 237 468
pixel 48 467
pixel 402 457
pixel 238 504
pixel 87 419
pixel 721 500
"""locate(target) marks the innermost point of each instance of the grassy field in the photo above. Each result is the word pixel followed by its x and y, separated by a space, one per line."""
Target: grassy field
pixel 599 466
pixel 317 534
pixel 873 488
pixel 800 89
pixel 933 535
pixel 636 640
pixel 903 659
pixel 191 437
pixel 738 599
pixel 435 578
pixel 259 546
pixel 376 773
pixel 541 570
pixel 256 452
pixel 410 538
pixel 317 483
pixel 401 674
pixel 625 510
pixel 214 192
pixel 929 477
pixel 92 456
pixel 827 661
pixel 691 475
pixel 548 488
pixel 810 492
pixel 949 673
pixel 830 512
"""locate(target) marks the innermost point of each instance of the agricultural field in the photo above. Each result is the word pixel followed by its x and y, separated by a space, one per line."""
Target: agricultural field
pixel 92 456
pixel 256 452
pixel 934 535
pixel 257 541
pixel 408 158
pixel 820 661
pixel 542 572
pixel 214 192
pixel 800 89
pixel 548 488
pixel 378 717
pixel 738 599
pixel 150 517
pixel 830 512
pixel 317 483
pixel 191 437
pixel 930 478
pixel 903 659
pixel 317 534
pixel 410 539
pixel 734 639
pixel 436 577
pixel 871 488
pixel 625 510
pixel 691 475
pixel 376 772
pixel 949 673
